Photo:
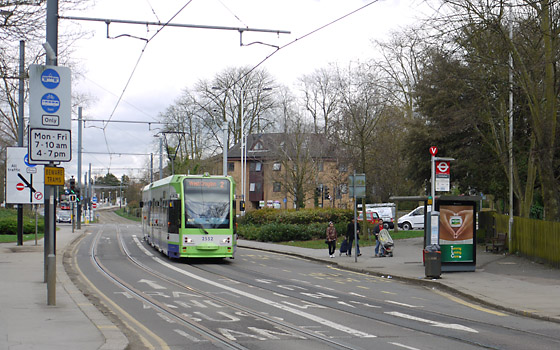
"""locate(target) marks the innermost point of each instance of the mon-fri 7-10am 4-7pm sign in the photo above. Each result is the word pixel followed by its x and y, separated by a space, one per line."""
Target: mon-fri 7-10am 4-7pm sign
pixel 50 114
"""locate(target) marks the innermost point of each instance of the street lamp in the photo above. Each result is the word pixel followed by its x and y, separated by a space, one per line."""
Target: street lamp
pixel 243 138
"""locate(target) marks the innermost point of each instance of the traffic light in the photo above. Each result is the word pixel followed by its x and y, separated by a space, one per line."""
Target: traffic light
pixel 242 205
pixel 72 183
pixel 326 192
pixel 78 200
pixel 317 192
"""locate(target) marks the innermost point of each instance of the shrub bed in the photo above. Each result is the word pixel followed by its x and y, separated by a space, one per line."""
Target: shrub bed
pixel 273 225
pixel 8 223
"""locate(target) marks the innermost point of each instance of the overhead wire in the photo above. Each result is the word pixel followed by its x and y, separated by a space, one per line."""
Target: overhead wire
pixel 238 80
pixel 132 74
pixel 305 36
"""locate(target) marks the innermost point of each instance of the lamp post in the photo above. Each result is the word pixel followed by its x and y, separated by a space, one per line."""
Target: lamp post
pixel 243 137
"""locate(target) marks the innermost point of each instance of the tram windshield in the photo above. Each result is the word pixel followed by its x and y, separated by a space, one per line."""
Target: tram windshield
pixel 207 203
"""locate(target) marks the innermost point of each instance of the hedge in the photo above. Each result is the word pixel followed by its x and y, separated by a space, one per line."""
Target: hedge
pixel 273 225
pixel 8 226
pixel 301 216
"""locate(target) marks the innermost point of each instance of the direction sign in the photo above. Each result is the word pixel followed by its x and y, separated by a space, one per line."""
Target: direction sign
pixel 24 181
pixel 357 184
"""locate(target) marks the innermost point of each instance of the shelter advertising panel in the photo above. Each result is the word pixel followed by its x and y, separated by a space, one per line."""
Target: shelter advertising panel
pixel 457 232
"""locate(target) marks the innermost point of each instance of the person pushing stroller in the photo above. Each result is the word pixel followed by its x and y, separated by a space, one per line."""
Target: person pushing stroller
pixel 378 244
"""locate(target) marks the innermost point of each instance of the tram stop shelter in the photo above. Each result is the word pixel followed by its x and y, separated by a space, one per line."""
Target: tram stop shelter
pixel 454 231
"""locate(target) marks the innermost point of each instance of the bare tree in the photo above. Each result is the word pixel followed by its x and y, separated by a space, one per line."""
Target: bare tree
pixel 361 107
pixel 233 94
pixel 321 97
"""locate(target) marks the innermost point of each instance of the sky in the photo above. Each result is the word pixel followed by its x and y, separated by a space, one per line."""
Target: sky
pixel 126 79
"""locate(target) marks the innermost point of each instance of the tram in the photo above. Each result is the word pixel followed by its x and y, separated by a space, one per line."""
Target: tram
pixel 190 216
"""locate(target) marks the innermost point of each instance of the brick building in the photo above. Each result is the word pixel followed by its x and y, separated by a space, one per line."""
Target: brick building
pixel 281 167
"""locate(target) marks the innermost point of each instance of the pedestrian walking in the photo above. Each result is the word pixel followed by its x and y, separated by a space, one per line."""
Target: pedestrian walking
pixel 331 238
pixel 350 237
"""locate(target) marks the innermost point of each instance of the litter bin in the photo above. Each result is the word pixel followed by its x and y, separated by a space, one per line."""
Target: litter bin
pixel 432 261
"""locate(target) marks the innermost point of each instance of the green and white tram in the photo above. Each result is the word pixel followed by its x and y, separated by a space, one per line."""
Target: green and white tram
pixel 190 216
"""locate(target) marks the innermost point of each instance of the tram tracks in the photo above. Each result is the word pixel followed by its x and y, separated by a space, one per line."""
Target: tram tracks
pixel 216 337
pixel 188 322
pixel 459 319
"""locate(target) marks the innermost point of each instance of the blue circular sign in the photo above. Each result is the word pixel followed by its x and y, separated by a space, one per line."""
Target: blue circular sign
pixel 26 161
pixel 50 103
pixel 50 78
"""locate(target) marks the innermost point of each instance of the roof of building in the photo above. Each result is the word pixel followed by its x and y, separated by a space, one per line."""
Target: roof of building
pixel 273 145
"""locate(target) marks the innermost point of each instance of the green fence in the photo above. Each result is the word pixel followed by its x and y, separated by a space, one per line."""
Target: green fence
pixel 532 238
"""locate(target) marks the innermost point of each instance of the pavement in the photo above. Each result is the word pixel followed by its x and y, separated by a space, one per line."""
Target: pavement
pixel 507 282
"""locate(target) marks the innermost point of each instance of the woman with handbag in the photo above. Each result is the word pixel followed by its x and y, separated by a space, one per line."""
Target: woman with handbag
pixel 331 239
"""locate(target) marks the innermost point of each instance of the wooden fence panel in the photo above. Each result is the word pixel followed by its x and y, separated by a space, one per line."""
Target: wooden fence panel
pixel 536 239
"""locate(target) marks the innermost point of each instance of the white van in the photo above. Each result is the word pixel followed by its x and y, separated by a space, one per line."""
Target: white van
pixel 413 220
pixel 386 211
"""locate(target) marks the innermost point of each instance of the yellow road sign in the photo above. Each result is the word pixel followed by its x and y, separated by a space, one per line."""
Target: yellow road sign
pixel 54 176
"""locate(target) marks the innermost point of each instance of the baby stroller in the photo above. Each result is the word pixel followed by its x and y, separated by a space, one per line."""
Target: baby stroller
pixel 386 243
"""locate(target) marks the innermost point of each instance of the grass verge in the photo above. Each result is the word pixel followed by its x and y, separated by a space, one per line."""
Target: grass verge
pixel 121 212
pixel 13 238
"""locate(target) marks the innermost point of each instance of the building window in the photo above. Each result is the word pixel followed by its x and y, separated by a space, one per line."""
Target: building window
pixel 255 166
pixel 276 187
pixel 277 166
pixel 342 168
pixel 252 187
pixel 320 166
pixel 230 166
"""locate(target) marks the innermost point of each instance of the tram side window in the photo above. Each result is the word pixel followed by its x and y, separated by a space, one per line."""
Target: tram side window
pixel 174 216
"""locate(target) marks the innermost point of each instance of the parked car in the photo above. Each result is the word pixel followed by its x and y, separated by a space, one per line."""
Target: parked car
pixel 371 216
pixel 64 216
pixel 413 220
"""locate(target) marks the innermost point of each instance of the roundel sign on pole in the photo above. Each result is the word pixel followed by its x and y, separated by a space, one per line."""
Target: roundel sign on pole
pixel 433 151
pixel 442 167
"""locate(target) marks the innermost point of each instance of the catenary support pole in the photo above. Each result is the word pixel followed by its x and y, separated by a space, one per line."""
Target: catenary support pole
pixel 79 208
pixel 225 127
pixel 50 191
pixel 20 130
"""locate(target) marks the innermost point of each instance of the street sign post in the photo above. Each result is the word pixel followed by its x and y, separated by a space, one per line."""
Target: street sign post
pixel 54 176
pixel 50 112
pixel 442 176
pixel 24 181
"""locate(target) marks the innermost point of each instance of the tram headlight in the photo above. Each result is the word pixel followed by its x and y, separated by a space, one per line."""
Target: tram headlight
pixel 187 240
pixel 226 240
